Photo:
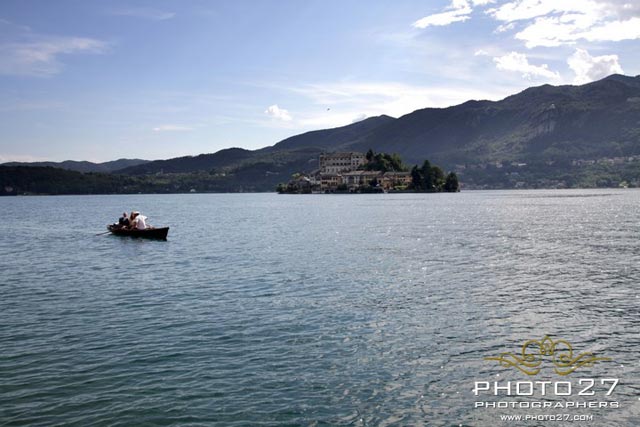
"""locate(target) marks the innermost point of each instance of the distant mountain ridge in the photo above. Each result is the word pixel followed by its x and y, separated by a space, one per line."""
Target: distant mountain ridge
pixel 544 136
pixel 83 166
pixel 544 123
pixel 186 164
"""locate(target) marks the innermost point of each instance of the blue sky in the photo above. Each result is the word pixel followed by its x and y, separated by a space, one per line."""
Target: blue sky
pixel 90 80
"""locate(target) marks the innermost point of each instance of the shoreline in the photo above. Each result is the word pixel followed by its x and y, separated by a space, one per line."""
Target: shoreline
pixel 473 190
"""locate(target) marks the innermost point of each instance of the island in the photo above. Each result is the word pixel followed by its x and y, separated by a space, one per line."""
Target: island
pixel 355 172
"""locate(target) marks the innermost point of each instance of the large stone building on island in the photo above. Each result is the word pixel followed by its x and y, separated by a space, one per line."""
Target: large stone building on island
pixel 345 172
pixel 334 163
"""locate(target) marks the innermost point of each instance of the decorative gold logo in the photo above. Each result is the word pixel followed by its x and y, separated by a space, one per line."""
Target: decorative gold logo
pixel 533 351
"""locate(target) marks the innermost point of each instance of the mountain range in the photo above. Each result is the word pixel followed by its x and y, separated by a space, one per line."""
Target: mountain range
pixel 84 166
pixel 544 136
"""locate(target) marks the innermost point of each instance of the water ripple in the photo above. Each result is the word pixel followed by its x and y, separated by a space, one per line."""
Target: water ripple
pixel 283 310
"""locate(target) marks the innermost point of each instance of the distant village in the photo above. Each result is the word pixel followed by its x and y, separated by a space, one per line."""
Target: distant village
pixel 355 172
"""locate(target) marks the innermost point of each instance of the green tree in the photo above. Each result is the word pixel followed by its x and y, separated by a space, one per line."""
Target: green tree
pixel 384 162
pixel 416 178
pixel 370 155
pixel 437 178
pixel 451 184
pixel 427 177
pixel 396 163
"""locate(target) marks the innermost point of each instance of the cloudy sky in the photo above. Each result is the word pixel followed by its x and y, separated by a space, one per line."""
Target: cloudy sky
pixel 89 80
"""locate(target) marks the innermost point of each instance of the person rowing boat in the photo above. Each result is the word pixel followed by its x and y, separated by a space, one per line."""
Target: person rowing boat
pixel 124 220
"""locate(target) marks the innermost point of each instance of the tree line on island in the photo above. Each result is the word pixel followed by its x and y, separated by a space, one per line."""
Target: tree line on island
pixel 431 179
pixel 424 179
pixel 380 172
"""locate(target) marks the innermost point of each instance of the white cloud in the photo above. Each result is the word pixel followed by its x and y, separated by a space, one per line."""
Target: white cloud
pixel 623 8
pixel 145 13
pixel 278 113
pixel 359 118
pixel 528 9
pixel 458 11
pixel 589 68
pixel 568 29
pixel 615 31
pixel 553 23
pixel 548 32
pixel 172 128
pixel 518 62
pixel 505 27
pixel 39 56
pixel 480 52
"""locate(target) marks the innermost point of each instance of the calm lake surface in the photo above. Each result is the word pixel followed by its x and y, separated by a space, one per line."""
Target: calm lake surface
pixel 274 310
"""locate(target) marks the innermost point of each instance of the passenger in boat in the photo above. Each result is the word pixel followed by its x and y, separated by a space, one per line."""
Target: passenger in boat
pixel 124 220
pixel 139 222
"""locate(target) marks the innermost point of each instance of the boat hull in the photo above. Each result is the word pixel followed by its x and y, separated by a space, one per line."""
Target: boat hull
pixel 149 233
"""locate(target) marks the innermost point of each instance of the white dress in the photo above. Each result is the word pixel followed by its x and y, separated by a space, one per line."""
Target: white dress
pixel 139 222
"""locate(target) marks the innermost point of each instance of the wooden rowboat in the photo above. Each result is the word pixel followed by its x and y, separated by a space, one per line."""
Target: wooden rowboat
pixel 149 233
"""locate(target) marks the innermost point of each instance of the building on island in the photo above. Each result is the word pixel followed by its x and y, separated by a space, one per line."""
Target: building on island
pixel 330 181
pixel 359 178
pixel 333 163
pixel 344 172
pixel 392 180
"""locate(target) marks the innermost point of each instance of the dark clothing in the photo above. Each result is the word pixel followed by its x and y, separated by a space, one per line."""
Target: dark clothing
pixel 123 221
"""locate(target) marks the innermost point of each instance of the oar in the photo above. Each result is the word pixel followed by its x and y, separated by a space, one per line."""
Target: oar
pixel 100 234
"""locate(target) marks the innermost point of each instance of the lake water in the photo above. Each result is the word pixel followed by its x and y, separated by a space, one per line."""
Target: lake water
pixel 318 310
